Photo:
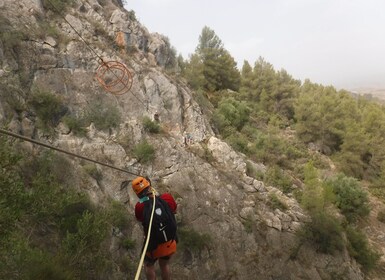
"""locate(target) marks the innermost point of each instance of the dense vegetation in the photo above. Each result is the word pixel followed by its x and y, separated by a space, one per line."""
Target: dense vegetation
pixel 295 129
pixel 49 229
pixel 259 111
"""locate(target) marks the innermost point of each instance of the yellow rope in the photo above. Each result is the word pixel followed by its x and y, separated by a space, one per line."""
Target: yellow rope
pixel 147 240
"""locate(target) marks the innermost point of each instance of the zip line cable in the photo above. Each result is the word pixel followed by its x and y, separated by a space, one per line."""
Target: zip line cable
pixel 9 133
pixel 102 63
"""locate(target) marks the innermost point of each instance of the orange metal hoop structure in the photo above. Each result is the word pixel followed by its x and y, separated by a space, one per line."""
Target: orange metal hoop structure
pixel 114 77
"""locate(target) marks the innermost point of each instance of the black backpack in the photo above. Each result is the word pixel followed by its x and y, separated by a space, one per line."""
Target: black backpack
pixel 163 224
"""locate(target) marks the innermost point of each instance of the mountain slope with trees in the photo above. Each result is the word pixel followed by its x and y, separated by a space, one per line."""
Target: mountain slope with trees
pixel 276 181
pixel 292 126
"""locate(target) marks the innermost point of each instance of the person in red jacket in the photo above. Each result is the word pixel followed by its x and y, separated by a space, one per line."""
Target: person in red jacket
pixel 163 251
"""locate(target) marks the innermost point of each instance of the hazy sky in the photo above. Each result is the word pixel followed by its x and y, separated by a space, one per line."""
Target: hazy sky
pixel 332 42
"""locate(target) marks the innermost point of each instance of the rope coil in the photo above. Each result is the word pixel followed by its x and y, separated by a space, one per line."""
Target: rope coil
pixel 114 77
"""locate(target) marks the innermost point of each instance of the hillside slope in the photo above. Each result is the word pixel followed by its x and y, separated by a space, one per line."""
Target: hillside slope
pixel 245 236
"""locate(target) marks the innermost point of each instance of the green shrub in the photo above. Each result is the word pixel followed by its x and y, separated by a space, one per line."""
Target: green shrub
pixel 207 155
pixel 320 161
pixel 324 232
pixel 222 125
pixel 103 115
pixel 359 249
pixel 47 29
pixel 49 230
pixel 252 172
pixel 99 29
pixel 72 213
pixel 193 240
pixel 276 177
pixel 45 178
pixel 378 190
pixel 21 261
pixel 57 6
pixel 276 203
pixel 230 114
pixel 12 198
pixel 93 171
pixel 10 36
pixel 102 2
pixel 150 126
pixel 76 125
pixel 144 152
pixel 128 244
pixel 49 109
pixel 11 96
pixel 118 216
pixel 44 189
pixel 248 224
pixel 84 247
pixel 295 151
pixel 272 149
pixel 48 164
pixel 46 267
pixel 351 199
pixel 239 143
pixel 131 15
pixel 312 198
pixel 51 30
pixel 90 231
pixel 16 103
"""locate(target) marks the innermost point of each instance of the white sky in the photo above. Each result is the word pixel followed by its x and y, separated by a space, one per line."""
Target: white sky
pixel 332 42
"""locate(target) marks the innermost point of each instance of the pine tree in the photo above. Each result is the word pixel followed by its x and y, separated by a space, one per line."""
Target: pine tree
pixel 264 78
pixel 282 98
pixel 246 79
pixel 320 117
pixel 208 40
pixel 219 67
pixel 312 197
pixel 193 72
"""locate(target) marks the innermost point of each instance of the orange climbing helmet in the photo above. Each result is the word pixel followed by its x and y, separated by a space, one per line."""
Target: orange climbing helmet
pixel 140 184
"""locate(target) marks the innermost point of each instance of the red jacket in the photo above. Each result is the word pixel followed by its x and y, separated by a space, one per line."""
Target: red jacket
pixel 166 197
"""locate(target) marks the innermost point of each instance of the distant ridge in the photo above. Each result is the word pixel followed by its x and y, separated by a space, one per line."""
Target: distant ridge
pixel 371 93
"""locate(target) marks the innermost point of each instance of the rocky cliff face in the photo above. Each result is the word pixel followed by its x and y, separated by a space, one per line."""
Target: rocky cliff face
pixel 247 237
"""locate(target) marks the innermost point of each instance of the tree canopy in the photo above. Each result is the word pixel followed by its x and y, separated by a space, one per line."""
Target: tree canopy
pixel 212 67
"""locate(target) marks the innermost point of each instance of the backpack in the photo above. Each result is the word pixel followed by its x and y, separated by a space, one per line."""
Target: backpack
pixel 163 224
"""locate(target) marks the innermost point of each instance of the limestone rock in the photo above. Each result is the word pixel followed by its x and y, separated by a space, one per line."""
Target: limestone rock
pixel 120 21
pixel 47 61
pixel 76 23
pixel 222 153
pixel 50 42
